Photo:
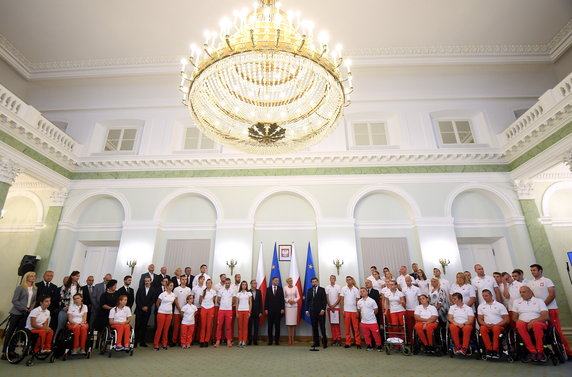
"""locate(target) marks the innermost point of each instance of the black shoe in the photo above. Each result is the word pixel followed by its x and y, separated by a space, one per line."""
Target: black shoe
pixel 249 343
pixel 269 343
pixel 143 345
pixel 379 349
pixel 315 345
pixel 172 344
pixel 277 343
pixel 347 346
pixel 369 348
pixel 358 347
pixel 255 343
pixel 325 346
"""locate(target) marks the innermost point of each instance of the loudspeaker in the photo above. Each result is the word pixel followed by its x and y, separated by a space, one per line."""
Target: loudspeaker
pixel 27 264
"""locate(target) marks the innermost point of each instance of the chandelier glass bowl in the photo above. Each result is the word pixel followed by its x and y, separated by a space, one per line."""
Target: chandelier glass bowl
pixel 264 84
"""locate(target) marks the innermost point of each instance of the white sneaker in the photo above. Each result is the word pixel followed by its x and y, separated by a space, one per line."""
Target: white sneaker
pixel 74 352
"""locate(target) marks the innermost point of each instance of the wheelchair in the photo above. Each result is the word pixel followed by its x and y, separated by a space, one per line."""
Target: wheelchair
pixel 472 351
pixel 109 339
pixel 393 340
pixel 506 350
pixel 553 347
pixel 21 345
pixel 439 347
pixel 63 344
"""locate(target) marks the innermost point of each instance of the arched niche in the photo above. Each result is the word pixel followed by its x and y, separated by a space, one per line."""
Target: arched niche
pixel 102 210
pixel 189 208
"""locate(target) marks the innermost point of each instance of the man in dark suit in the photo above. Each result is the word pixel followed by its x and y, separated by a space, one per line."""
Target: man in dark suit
pixel 47 288
pixel 163 274
pixel 155 281
pixel 274 309
pixel 316 308
pixel 99 289
pixel 145 299
pixel 371 291
pixel 255 313
pixel 127 291
pixel 87 291
pixel 190 277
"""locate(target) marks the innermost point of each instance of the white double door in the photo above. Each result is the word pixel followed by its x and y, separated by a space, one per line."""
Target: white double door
pixel 99 260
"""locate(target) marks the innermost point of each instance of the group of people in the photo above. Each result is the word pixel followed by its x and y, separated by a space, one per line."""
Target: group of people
pixel 191 309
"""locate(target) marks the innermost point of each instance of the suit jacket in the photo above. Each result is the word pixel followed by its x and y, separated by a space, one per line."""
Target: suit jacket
pixel 257 305
pixel 316 303
pixel 190 279
pixel 86 296
pixel 98 290
pixel 20 300
pixel 159 277
pixel 374 294
pixel 274 302
pixel 142 299
pixel 175 282
pixel 130 293
pixel 155 282
pixel 51 291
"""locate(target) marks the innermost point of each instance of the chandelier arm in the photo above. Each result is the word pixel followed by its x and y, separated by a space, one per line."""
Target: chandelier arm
pixel 302 43
pixel 206 50
pixel 277 37
pixel 252 37
pixel 227 38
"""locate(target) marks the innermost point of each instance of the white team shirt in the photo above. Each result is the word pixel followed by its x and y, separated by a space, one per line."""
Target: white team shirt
pixel 401 281
pixel 514 292
pixel 208 299
pixel 181 294
pixel 366 308
pixel 411 297
pixel 196 280
pixel 41 317
pixel 426 312
pixel 378 284
pixel 120 315
pixel 167 300
pixel 466 290
pixel 445 285
pixel 197 292
pixel 461 314
pixel 77 313
pixel 226 296
pixel 492 313
pixel 423 286
pixel 333 293
pixel 350 295
pixel 486 282
pixel 188 314
pixel 540 289
pixel 394 299
pixel 529 310
pixel 243 300
pixel 218 287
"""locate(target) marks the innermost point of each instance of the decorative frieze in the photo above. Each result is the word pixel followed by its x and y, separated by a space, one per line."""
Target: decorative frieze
pixel 9 170
pixel 58 197
pixel 524 189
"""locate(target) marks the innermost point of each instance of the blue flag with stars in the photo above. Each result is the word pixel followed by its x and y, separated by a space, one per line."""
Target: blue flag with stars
pixel 310 273
pixel 275 269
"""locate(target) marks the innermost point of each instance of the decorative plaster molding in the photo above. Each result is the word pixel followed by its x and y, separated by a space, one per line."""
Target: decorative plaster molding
pixel 373 225
pixel 19 228
pixel 568 159
pixel 9 170
pixel 64 225
pixel 556 223
pixel 58 197
pixel 524 189
pixel 309 225
pixel 430 222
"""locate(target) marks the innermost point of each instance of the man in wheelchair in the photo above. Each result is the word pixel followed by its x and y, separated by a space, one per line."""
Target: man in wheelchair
pixel 493 318
pixel 38 323
pixel 531 314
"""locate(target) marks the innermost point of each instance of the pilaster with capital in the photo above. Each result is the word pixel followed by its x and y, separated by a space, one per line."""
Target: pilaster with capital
pixel 9 170
pixel 524 189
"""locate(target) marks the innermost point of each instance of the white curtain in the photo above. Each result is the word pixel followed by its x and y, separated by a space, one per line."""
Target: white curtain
pixel 384 252
pixel 187 253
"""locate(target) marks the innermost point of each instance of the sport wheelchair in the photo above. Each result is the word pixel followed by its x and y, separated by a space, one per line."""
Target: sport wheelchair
pixel 107 343
pixel 439 347
pixel 63 344
pixel 506 350
pixel 472 351
pixel 553 347
pixel 21 344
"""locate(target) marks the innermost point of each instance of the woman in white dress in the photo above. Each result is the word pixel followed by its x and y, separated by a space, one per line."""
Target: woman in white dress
pixel 291 296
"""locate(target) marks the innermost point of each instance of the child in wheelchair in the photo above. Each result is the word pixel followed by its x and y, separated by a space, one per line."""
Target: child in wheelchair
pixel 38 323
pixel 119 318
pixel 77 323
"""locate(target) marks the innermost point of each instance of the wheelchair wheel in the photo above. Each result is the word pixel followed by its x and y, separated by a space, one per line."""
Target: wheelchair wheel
pixel 29 363
pixel 19 346
pixel 52 358
pixel 406 351
pixel 131 352
pixel 387 349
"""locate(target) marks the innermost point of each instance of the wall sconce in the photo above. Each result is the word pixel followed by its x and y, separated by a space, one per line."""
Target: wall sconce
pixel 131 264
pixel 444 263
pixel 2 213
pixel 232 264
pixel 338 263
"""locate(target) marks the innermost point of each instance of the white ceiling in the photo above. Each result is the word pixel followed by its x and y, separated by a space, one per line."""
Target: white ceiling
pixel 72 34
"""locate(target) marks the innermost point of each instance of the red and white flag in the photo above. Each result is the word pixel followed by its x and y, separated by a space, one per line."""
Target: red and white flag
pixel 261 280
pixel 295 275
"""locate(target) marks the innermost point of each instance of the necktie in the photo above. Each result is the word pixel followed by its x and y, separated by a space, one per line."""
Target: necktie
pixel 315 291
pixel 90 289
pixel 274 290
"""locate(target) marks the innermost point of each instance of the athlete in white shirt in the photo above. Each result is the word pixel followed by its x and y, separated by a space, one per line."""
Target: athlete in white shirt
pixel 188 322
pixel 333 298
pixel 164 315
pixel 77 323
pixel 203 273
pixel 394 307
pixel 411 294
pixel 38 322
pixel 181 293
pixel 225 298
pixel 243 309
pixel 482 281
pixel 463 286
pixel 531 313
pixel 544 289
pixel 349 296
pixel 207 301
pixel 401 278
pixel 493 317
pixel 443 283
pixel 367 311
pixel 461 319
pixel 426 318
pixel 119 318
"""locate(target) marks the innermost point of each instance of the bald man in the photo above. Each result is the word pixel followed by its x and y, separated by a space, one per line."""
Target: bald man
pixel 531 313
pixel 482 282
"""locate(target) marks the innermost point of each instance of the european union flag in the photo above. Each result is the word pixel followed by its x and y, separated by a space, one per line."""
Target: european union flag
pixel 275 269
pixel 310 273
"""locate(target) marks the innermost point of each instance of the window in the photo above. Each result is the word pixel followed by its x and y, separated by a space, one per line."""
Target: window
pixel 120 139
pixel 456 132
pixel 369 134
pixel 195 139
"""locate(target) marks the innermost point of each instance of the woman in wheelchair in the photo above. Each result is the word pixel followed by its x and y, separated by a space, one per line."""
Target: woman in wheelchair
pixel 531 314
pixel 461 319
pixel 426 318
pixel 77 323
pixel 119 318
pixel 492 317
pixel 38 323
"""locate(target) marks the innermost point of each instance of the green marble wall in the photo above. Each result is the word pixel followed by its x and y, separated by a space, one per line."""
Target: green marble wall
pixel 544 255
pixel 4 187
pixel 47 236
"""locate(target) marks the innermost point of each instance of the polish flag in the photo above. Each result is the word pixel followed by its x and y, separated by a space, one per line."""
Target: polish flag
pixel 295 275
pixel 261 280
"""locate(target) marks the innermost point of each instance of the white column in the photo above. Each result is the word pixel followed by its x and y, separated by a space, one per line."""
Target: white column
pixel 336 240
pixel 437 240
pixel 234 240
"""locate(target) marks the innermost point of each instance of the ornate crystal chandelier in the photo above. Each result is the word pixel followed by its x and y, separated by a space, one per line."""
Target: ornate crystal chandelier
pixel 263 84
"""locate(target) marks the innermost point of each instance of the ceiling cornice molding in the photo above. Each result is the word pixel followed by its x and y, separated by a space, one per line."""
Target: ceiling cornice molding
pixel 368 57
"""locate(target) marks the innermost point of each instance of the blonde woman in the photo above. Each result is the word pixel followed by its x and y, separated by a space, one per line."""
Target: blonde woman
pixel 464 287
pixel 291 298
pixel 23 301
pixel 439 299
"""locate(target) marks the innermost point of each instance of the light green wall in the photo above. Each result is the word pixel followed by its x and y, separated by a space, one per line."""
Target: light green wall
pixel 285 207
pixel 20 210
pixel 47 236
pixel 102 211
pixel 381 207
pixel 189 209
pixel 4 187
pixel 474 205
pixel 560 204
